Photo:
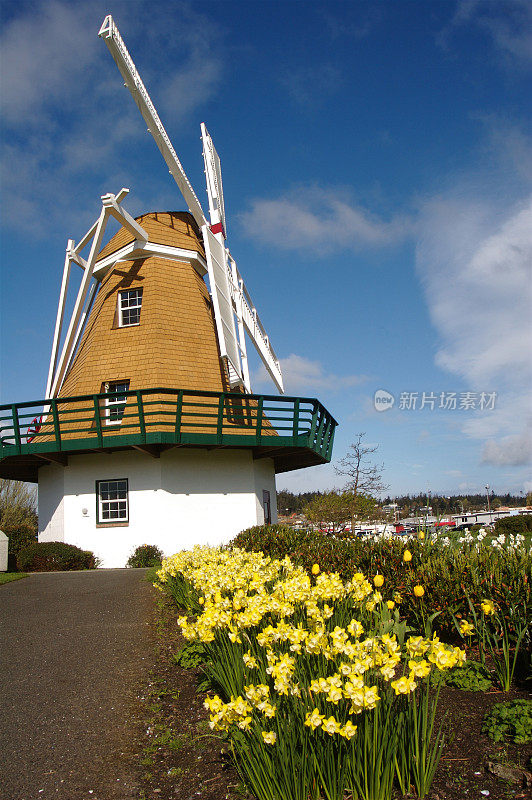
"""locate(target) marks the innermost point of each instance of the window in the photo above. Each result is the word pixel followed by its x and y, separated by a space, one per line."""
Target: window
pixel 112 501
pixel 129 305
pixel 115 404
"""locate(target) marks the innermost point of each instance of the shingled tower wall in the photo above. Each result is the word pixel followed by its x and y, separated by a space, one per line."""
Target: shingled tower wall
pixel 174 345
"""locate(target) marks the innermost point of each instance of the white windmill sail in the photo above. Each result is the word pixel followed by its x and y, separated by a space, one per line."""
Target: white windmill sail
pixel 213 175
pixel 228 292
pixel 223 305
pixel 246 313
pixel 253 326
pixel 109 32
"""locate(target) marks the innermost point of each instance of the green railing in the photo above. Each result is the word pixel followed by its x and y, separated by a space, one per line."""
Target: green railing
pixel 165 416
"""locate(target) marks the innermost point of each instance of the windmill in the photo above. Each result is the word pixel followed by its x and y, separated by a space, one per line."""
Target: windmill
pixel 150 430
pixel 234 311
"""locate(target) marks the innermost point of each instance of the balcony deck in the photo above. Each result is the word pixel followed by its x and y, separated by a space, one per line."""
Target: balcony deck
pixel 294 431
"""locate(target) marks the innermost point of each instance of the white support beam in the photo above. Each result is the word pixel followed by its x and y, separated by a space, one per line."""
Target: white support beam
pixel 138 249
pixel 79 260
pixel 59 317
pixel 86 239
pixel 110 206
pixel 90 233
pixel 80 301
pixel 109 201
pixel 85 314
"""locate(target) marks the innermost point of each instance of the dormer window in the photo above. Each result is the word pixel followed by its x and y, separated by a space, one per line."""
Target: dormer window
pixel 115 404
pixel 129 305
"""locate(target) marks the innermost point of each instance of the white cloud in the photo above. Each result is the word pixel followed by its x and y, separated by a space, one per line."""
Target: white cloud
pixel 191 86
pixel 320 220
pixel 476 270
pixel 71 124
pixel 192 41
pixel 475 263
pixel 508 145
pixel 510 450
pixel 508 24
pixel 44 51
pixel 303 376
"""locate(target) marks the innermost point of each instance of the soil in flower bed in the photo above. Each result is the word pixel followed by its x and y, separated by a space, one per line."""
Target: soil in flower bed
pixel 462 770
pixel 182 760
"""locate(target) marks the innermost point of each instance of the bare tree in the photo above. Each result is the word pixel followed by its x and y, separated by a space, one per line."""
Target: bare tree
pixel 363 477
pixel 18 514
pixel 336 509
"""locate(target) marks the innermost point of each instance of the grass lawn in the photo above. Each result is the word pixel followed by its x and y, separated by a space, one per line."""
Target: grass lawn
pixel 7 577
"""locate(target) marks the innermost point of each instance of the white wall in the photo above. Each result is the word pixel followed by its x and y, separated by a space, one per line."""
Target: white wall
pixel 185 497
pixel 51 504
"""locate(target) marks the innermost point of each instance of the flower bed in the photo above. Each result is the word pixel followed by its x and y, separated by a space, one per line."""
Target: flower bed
pixel 320 688
pixel 453 570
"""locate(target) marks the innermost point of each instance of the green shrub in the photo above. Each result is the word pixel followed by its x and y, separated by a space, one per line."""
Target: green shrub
pixel 54 556
pixel 472 677
pixel 274 541
pixel 191 655
pixel 145 555
pixel 449 575
pixel 511 525
pixel 20 535
pixel 511 720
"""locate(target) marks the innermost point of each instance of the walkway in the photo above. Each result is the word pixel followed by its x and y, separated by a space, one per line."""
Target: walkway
pixel 75 650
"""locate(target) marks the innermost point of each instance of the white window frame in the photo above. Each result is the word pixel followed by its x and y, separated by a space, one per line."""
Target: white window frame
pixel 115 507
pixel 115 406
pixel 129 300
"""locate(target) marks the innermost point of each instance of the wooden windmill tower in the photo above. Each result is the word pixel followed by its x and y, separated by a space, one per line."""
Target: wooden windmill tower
pixel 150 431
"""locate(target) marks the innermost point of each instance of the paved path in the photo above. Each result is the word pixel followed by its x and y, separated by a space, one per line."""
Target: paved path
pixel 75 650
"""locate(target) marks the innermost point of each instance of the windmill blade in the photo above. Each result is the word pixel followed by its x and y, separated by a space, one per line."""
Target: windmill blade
pixel 223 307
pixel 109 32
pixel 213 175
pixel 228 292
pixel 243 306
pixel 251 321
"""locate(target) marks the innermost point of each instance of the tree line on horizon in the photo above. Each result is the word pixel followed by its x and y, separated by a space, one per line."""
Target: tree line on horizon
pixel 291 503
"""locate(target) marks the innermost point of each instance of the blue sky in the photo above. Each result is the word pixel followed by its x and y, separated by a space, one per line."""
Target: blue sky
pixel 377 168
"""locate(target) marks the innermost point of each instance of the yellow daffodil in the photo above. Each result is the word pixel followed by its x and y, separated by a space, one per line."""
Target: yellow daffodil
pixel 270 737
pixel 331 726
pixel 419 669
pixel 417 646
pixel 466 629
pixel 404 685
pixel 488 607
pixel 313 720
pixel 348 730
